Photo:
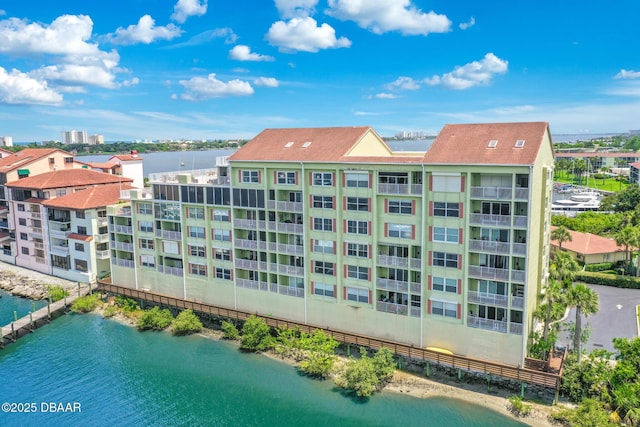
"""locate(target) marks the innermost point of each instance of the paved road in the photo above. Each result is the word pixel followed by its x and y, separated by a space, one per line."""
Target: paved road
pixel 616 317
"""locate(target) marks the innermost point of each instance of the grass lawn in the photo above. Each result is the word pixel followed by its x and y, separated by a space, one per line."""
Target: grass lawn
pixel 606 184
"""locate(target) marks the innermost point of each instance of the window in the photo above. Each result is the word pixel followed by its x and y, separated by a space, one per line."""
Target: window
pixel 20 207
pixel 286 178
pixel 360 204
pixel 146 244
pixel 447 209
pixel 80 215
pixel 198 270
pixel 68 159
pixel 24 236
pixel 82 230
pixel 25 251
pixel 496 208
pixel 447 183
pixel 195 213
pixel 323 224
pixel 197 251
pixel 81 265
pixel 401 231
pixel 323 202
pixel 446 309
pixel 60 193
pixel 321 267
pixel 223 235
pixel 444 284
pixel 222 254
pixel 60 262
pixel 491 287
pixel 357 179
pixel 398 274
pixel 322 179
pixel 147 260
pixel 52 161
pixel 145 209
pixel 221 216
pixel 323 290
pixel 443 259
pixel 250 177
pixel 357 227
pixel 79 246
pixel 192 194
pixel 358 295
pixel 356 272
pixel 401 207
pixel 323 246
pixel 358 250
pixel 171 247
pixel 197 232
pixel 445 234
pixel 22 221
pixel 223 273
pixel 146 226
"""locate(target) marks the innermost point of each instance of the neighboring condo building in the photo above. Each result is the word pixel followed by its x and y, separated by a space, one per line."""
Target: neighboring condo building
pixel 75 137
pixel 6 141
pixel 330 227
pixel 96 139
pixel 129 165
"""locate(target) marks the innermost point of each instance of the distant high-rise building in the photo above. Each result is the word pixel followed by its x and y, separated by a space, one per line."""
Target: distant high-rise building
pixel 75 137
pixel 96 139
pixel 6 141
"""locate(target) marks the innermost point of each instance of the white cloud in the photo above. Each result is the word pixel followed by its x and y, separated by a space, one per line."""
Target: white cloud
pixel 266 82
pixel 20 88
pixel 404 83
pixel 243 53
pixel 296 8
pixel 303 34
pixel 145 32
pixel 2 12
pixel 627 74
pixel 466 25
pixel 475 73
pixel 381 16
pixel 202 88
pixel 132 82
pixel 384 95
pixel 186 8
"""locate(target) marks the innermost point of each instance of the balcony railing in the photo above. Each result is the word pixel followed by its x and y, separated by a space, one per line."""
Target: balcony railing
pixel 38 245
pixel 385 188
pixel 291 270
pixel 392 261
pixel 521 194
pixel 515 328
pixel 168 234
pixel 491 325
pixel 489 246
pixel 249 264
pixel 252 284
pixel 389 307
pixel 518 276
pixel 124 229
pixel 285 227
pixel 246 244
pixel 517 302
pixel 520 221
pixel 489 273
pixel 102 254
pixel 245 223
pixel 519 248
pixel 491 220
pixel 36 215
pixel 493 193
pixel 101 221
pixel 122 211
pixel 124 263
pixel 101 238
pixel 392 285
pixel 285 206
pixel 286 249
pixel 174 271
pixel 415 312
pixel 485 298
pixel 416 288
pixel 123 246
pixel 291 291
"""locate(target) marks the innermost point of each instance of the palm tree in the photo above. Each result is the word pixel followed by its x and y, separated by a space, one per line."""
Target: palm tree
pixel 627 237
pixel 579 168
pixel 563 268
pixel 561 235
pixel 585 301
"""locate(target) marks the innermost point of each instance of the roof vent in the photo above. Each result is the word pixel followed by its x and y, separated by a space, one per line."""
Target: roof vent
pixel 288 144
pixel 493 143
pixel 519 143
pixel 306 144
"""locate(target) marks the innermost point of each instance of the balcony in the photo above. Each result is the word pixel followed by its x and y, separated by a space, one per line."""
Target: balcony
pixel 384 188
pixel 246 244
pixel 519 249
pixel 36 215
pixel 60 250
pixel 4 224
pixel 521 194
pixel 291 270
pixel 286 227
pixel 518 276
pixel 485 298
pixel 122 211
pixel 250 224
pixel 285 206
pixel 416 288
pixel 248 264
pixel 489 246
pixel 124 229
pixel 168 234
pixel 488 324
pixel 415 312
pixel 122 246
pixel 515 328
pixel 102 254
pixel 174 271
pixel 124 263
pixel 38 245
pixel 389 307
pixel 101 222
pixel 517 302
pixel 291 291
pixel 392 261
pixel 490 273
pixel 39 259
pixel 286 249
pixel 490 220
pixel 60 231
pixel 520 221
pixel 252 284
pixel 392 285
pixel 491 193
pixel 101 238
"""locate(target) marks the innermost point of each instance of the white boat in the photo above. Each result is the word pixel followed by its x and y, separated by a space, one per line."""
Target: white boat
pixel 578 202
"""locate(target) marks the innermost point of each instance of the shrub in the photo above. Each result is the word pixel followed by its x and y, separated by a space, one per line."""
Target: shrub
pixel 608 280
pixel 155 319
pixel 317 364
pixel 366 375
pixel 186 323
pixel 127 304
pixel 86 303
pixel 256 335
pixel 230 331
pixel 110 311
pixel 518 407
pixel 57 293
pixel 600 267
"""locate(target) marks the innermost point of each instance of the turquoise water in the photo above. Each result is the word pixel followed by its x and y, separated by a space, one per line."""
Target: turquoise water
pixel 119 376
pixel 22 307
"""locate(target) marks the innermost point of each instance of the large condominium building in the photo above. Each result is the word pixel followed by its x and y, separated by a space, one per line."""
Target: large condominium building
pixel 75 137
pixel 328 226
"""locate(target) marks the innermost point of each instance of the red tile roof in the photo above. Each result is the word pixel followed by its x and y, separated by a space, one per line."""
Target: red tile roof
pixel 91 198
pixel 67 178
pixel 5 153
pixel 25 156
pixel 82 237
pixel 126 157
pixel 589 244
pixel 469 143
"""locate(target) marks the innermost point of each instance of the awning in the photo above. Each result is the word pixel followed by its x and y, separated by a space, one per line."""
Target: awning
pixel 23 172
pixel 439 350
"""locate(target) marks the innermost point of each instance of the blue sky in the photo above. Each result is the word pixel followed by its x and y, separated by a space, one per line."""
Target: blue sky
pixel 198 69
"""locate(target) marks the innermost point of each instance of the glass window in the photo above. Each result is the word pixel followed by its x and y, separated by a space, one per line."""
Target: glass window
pixel 197 232
pixel 401 231
pixel 222 254
pixel 444 284
pixel 145 208
pixel 147 260
pixel 146 226
pixel 445 234
pixel 358 250
pixel 321 267
pixel 195 213
pixel 323 290
pixel 323 224
pixel 447 183
pixel 223 235
pixel 22 221
pixel 357 227
pixel 322 179
pixel 358 295
pixel 250 177
pixel 443 259
pixel 80 214
pixel 79 246
pixel 198 270
pixel 401 207
pixel 447 209
pixel 323 246
pixel 196 251
pixel 146 244
pixel 24 236
pixel 81 265
pixel 323 202
pixel 446 309
pixel 286 177
pixel 357 179
pixel 223 273
pixel 357 272
pixel 360 204
pixel 221 215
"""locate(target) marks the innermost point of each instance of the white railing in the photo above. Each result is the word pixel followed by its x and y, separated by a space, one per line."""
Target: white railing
pixel 101 238
pixel 245 223
pixel 521 194
pixel 392 261
pixel 485 298
pixel 291 291
pixel 416 288
pixel 520 221
pixel 123 246
pixel 489 246
pixel 491 325
pixel 246 244
pixel 489 273
pixel 515 328
pixel 285 206
pixel 174 271
pixel 286 249
pixel 517 302
pixel 124 229
pixel 290 270
pixel 290 228
pixel 252 284
pixel 399 188
pixel 392 285
pixel 491 192
pixel 389 307
pixel 518 276
pixel 519 248
pixel 124 262
pixel 102 254
pixel 246 263
pixel 168 234
pixel 488 219
pixel 415 312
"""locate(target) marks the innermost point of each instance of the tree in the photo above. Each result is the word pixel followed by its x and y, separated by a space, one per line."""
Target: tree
pixel 366 375
pixel 563 268
pixel 585 301
pixel 627 237
pixel 230 331
pixel 554 295
pixel 186 323
pixel 561 235
pixel 155 319
pixel 256 335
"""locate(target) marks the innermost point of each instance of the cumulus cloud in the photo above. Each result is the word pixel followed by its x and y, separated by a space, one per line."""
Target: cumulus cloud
pixel 303 34
pixel 466 25
pixel 20 88
pixel 243 53
pixel 381 16
pixel 203 88
pixel 296 8
pixel 403 83
pixel 266 82
pixel 627 74
pixel 186 8
pixel 145 31
pixel 475 73
pixel 384 95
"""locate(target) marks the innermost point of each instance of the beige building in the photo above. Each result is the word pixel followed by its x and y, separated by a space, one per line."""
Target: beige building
pixel 588 248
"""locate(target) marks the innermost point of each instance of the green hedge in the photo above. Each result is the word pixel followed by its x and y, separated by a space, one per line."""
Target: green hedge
pixel 600 267
pixel 608 280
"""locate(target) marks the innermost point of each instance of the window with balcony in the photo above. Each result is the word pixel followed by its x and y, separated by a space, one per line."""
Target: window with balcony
pixel 445 234
pixel 357 272
pixel 444 284
pixel 323 224
pixel 446 209
pixel 357 179
pixel 327 268
pixel 398 274
pixel 357 227
pixel 393 178
pixel 250 177
pixel 360 204
pixel 322 179
pixel 444 259
pixel 358 250
pixel 324 290
pixel 491 287
pixel 357 295
pixel 495 208
pixel 323 246
pixel 323 202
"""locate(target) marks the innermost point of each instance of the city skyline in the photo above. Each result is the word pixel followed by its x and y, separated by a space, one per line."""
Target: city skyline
pixel 220 70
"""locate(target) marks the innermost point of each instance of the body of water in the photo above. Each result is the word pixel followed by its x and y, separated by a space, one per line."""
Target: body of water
pixel 103 373
pixel 22 306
